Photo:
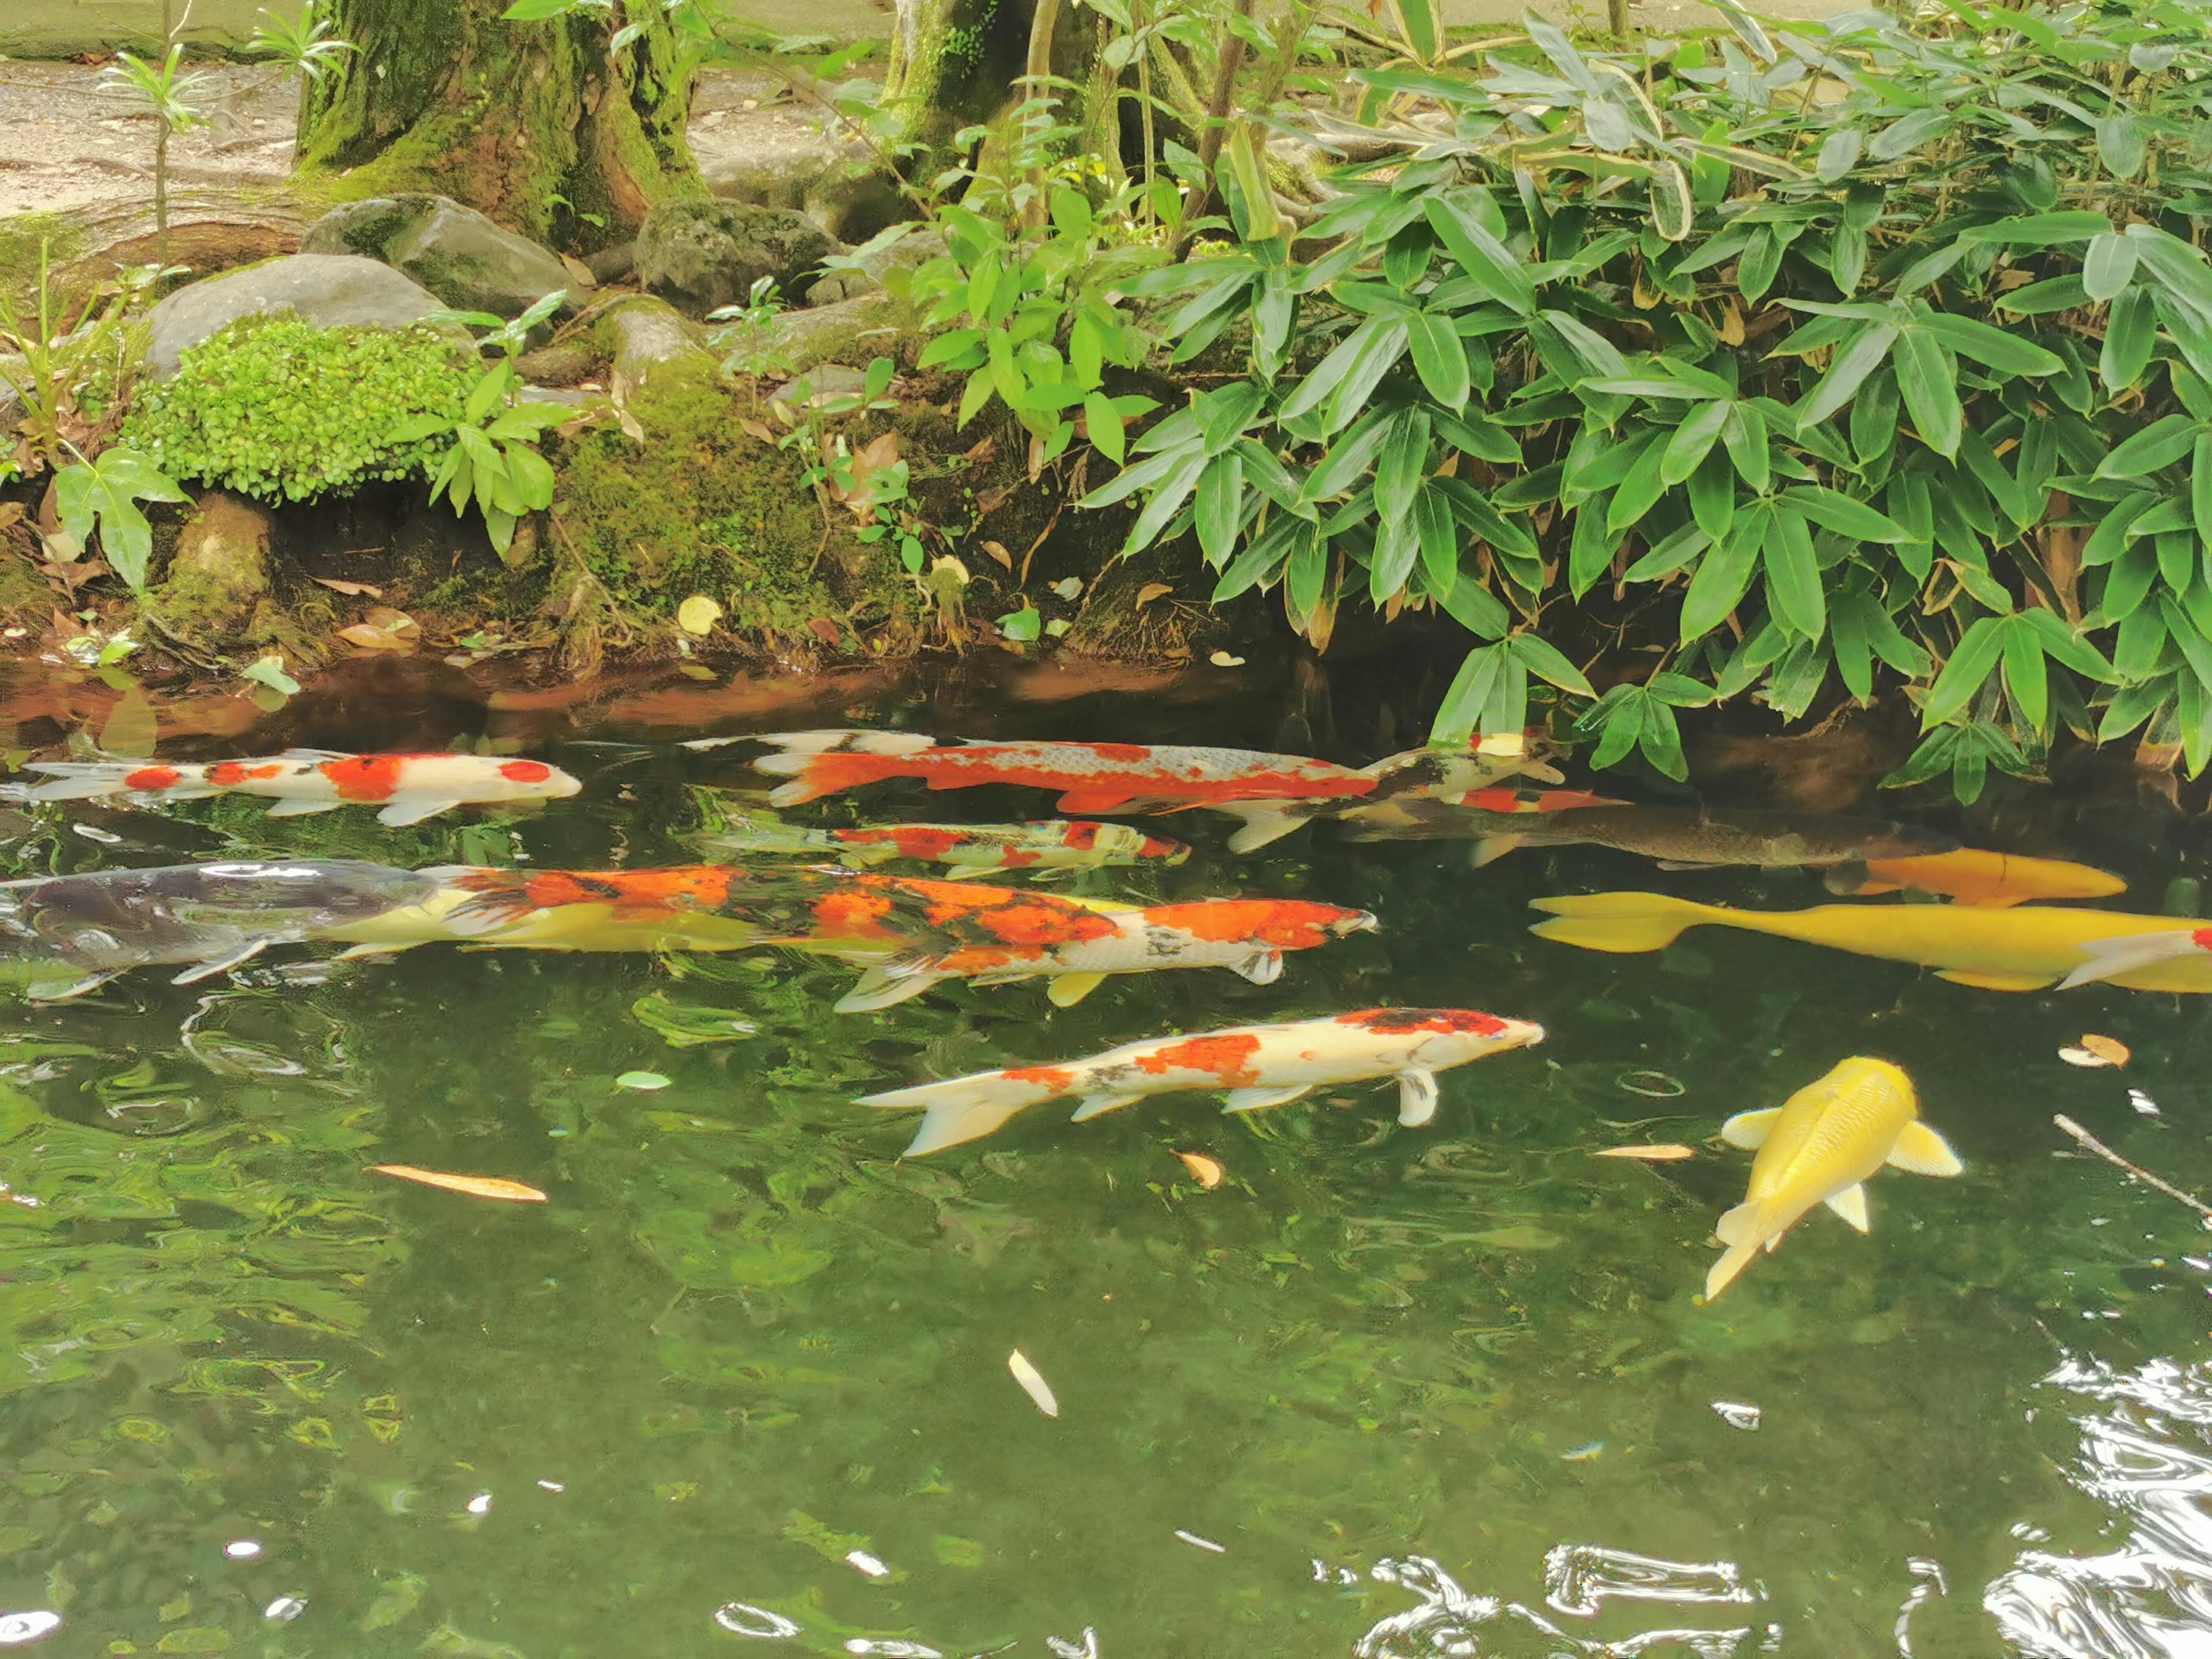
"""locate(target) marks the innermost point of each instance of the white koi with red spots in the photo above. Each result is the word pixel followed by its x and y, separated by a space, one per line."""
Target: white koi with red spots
pixel 1257 1066
pixel 408 787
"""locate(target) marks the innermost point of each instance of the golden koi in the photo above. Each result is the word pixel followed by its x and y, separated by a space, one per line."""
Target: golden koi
pixel 966 850
pixel 1968 875
pixel 1818 1147
pixel 2112 958
pixel 408 787
pixel 1258 1065
pixel 1273 793
pixel 2009 950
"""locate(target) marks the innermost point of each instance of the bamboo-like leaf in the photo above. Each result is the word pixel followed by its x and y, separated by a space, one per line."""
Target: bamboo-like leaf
pixel 1928 383
pixel 2108 266
pixel 1793 575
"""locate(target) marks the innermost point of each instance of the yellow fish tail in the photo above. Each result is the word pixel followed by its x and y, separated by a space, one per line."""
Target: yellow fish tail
pixel 1621 922
pixel 1744 1230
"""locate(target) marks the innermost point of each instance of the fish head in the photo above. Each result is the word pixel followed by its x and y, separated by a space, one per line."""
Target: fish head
pixel 1160 849
pixel 530 780
pixel 1448 1036
pixel 1300 924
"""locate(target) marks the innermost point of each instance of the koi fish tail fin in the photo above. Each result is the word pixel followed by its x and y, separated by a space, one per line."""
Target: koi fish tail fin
pixel 90 780
pixel 964 1109
pixel 2108 959
pixel 1619 922
pixel 1265 821
pixel 1744 1230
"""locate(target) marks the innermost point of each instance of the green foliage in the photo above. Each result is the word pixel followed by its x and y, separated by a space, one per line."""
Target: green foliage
pixel 1866 342
pixel 276 409
pixel 103 494
pixel 306 46
pixel 165 88
pixel 74 364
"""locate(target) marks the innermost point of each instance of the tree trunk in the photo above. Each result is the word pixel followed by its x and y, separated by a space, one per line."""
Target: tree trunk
pixel 954 64
pixel 532 123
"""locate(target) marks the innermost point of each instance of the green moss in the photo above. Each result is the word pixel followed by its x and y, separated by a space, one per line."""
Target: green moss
pixel 21 235
pixel 704 507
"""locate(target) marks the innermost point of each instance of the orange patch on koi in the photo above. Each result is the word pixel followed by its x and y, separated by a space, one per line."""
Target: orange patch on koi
pixel 1045 1076
pixel 364 777
pixel 1395 1021
pixel 525 771
pixel 1226 1057
pixel 152 777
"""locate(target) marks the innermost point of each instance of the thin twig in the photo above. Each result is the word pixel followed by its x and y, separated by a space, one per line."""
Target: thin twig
pixel 2118 1163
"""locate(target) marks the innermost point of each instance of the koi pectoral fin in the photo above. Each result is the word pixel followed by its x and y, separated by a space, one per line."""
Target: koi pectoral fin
pixel 237 958
pixel 1264 821
pixel 293 806
pixel 885 986
pixel 1995 982
pixel 1417 1096
pixel 401 813
pixel 1920 1150
pixel 1068 989
pixel 1263 966
pixel 1749 1129
pixel 1253 1100
pixel 1851 1204
pixel 1490 848
pixel 2104 958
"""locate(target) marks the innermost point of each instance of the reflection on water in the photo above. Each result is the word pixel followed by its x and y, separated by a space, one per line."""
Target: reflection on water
pixel 2148 1461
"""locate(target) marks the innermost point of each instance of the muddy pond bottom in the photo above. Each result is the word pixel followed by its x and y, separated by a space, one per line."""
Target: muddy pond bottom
pixel 742 1382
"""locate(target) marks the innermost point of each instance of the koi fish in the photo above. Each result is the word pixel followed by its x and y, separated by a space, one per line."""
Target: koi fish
pixel 410 787
pixel 2111 958
pixel 1424 816
pixel 1970 876
pixel 1820 1146
pixel 2009 950
pixel 1273 793
pixel 967 849
pixel 1679 838
pixel 1258 1065
pixel 69 934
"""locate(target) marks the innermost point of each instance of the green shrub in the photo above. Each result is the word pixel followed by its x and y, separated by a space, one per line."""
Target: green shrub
pixel 1861 350
pixel 279 409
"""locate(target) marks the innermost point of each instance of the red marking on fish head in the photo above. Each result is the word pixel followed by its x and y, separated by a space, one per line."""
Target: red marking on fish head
pixel 1083 837
pixel 525 771
pixel 365 777
pixel 1226 1057
pixel 1407 1022
pixel 1044 1077
pixel 2201 939
pixel 1158 847
pixel 152 777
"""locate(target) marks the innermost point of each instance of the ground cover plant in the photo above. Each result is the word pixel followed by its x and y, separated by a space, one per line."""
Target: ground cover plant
pixel 1806 354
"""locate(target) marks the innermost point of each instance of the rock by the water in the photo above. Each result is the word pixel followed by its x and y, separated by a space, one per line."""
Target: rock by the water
pixel 212 591
pixel 917 247
pixel 612 264
pixel 328 290
pixel 465 259
pixel 851 331
pixel 641 334
pixel 703 254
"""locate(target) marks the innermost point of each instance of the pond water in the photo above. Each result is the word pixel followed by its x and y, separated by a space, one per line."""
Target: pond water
pixel 742 1384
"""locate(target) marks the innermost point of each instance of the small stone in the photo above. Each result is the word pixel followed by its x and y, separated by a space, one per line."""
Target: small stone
pixel 218 576
pixel 701 255
pixel 466 259
pixel 328 290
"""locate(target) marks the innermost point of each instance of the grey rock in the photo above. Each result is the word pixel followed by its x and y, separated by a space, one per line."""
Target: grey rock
pixel 917 247
pixel 853 201
pixel 703 254
pixel 643 334
pixel 612 264
pixel 212 591
pixel 851 331
pixel 329 290
pixel 456 253
pixel 558 365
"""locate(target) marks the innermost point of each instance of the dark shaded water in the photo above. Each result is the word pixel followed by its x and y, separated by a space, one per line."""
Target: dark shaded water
pixel 743 1382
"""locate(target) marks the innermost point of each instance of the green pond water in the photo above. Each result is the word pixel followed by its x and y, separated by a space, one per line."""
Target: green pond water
pixel 742 1384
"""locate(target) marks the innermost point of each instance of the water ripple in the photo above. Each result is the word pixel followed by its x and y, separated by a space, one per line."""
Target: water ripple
pixel 1579 1578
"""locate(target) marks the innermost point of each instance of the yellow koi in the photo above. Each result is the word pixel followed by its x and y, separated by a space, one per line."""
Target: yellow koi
pixel 1817 1147
pixel 1971 875
pixel 2009 950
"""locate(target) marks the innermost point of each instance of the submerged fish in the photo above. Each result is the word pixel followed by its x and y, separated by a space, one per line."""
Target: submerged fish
pixel 1990 880
pixel 919 932
pixel 1273 793
pixel 2005 949
pixel 1259 1066
pixel 966 850
pixel 68 934
pixel 1684 837
pixel 2132 953
pixel 410 787
pixel 1817 1148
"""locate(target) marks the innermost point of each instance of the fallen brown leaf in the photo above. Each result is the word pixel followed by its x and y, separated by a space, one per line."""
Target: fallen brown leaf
pixel 2111 1050
pixel 998 550
pixel 1203 1169
pixel 1152 591
pixel 982 453
pixel 823 629
pixel 1665 1152
pixel 396 622
pixel 760 429
pixel 1036 458
pixel 512 1192
pixel 353 590
pixel 373 639
pixel 992 500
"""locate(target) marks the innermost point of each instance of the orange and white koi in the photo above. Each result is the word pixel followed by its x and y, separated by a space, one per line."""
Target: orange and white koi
pixel 408 787
pixel 2111 958
pixel 1273 793
pixel 965 849
pixel 1427 814
pixel 922 932
pixel 1258 1065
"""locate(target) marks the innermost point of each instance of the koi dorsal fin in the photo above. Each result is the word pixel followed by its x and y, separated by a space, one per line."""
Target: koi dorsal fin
pixel 1749 1130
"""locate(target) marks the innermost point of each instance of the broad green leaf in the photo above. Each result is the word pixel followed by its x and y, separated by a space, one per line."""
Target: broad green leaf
pixel 2005 353
pixel 1724 574
pixel 1439 359
pixel 1623 725
pixel 1971 661
pixel 1547 662
pixel 2063 644
pixel 1904 136
pixel 2130 335
pixel 2041 229
pixel 1846 515
pixel 1438 530
pixel 1793 575
pixel 1699 431
pixel 1219 508
pixel 1402 465
pixel 2108 267
pixel 1590 548
pixel 1485 258
pixel 2027 680
pixel 1745 434
pixel 1928 381
pixel 1470 689
pixel 1868 350
pixel 1661 740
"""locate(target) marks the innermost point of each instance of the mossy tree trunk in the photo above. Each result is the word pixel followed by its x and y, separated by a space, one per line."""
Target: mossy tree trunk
pixel 954 64
pixel 536 124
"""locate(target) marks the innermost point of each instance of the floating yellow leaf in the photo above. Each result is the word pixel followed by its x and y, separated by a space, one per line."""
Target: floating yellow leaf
pixel 354 590
pixel 697 616
pixel 1203 1169
pixel 1033 1382
pixel 2110 1050
pixel 475 1186
pixel 998 550
pixel 1223 659
pixel 1664 1153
